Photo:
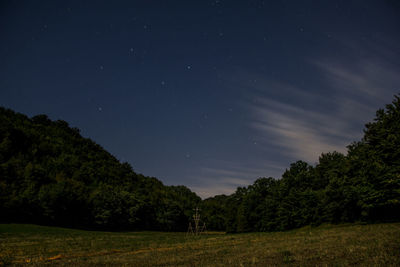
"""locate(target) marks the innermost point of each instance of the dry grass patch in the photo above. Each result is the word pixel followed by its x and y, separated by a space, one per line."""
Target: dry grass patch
pixel 342 245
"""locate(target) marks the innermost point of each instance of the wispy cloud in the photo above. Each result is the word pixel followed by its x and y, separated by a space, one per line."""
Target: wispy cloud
pixel 353 90
pixel 370 80
pixel 301 133
pixel 321 113
pixel 213 180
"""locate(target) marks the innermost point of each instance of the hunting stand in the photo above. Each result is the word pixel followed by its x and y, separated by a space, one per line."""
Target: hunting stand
pixel 197 230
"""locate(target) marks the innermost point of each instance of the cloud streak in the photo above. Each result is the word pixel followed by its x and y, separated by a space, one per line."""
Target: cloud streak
pixel 299 120
pixel 214 180
pixel 302 134
pixel 356 90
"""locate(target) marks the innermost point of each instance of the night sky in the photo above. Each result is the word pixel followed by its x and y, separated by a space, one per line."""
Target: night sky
pixel 208 94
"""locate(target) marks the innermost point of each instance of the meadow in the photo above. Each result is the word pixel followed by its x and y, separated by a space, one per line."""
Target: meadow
pixel 326 245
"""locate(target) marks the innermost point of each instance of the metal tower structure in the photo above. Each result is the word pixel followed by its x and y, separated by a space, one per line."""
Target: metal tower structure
pixel 197 228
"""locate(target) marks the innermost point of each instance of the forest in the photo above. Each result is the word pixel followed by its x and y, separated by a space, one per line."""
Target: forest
pixel 51 175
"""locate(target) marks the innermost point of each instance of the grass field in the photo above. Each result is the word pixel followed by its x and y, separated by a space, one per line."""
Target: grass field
pixel 327 245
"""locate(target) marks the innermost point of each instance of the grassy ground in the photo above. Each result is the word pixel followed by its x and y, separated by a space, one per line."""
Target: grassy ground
pixel 343 245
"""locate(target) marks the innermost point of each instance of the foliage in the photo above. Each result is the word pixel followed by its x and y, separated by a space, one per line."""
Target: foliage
pixel 50 174
pixel 363 185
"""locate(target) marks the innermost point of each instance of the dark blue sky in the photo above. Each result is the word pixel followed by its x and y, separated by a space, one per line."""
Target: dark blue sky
pixel 208 94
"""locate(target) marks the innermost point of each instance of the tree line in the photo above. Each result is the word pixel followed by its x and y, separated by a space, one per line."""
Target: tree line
pixel 50 174
pixel 361 186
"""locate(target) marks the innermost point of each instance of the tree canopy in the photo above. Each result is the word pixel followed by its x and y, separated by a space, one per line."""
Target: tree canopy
pixel 50 174
pixel 363 186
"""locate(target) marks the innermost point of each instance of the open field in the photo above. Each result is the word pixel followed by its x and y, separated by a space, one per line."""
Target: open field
pixel 327 245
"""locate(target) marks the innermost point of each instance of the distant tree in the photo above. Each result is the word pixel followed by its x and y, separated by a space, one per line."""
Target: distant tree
pixel 50 174
pixel 214 212
pixel 375 164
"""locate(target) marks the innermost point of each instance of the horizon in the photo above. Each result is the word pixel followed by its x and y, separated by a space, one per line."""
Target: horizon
pixel 203 198
pixel 209 95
